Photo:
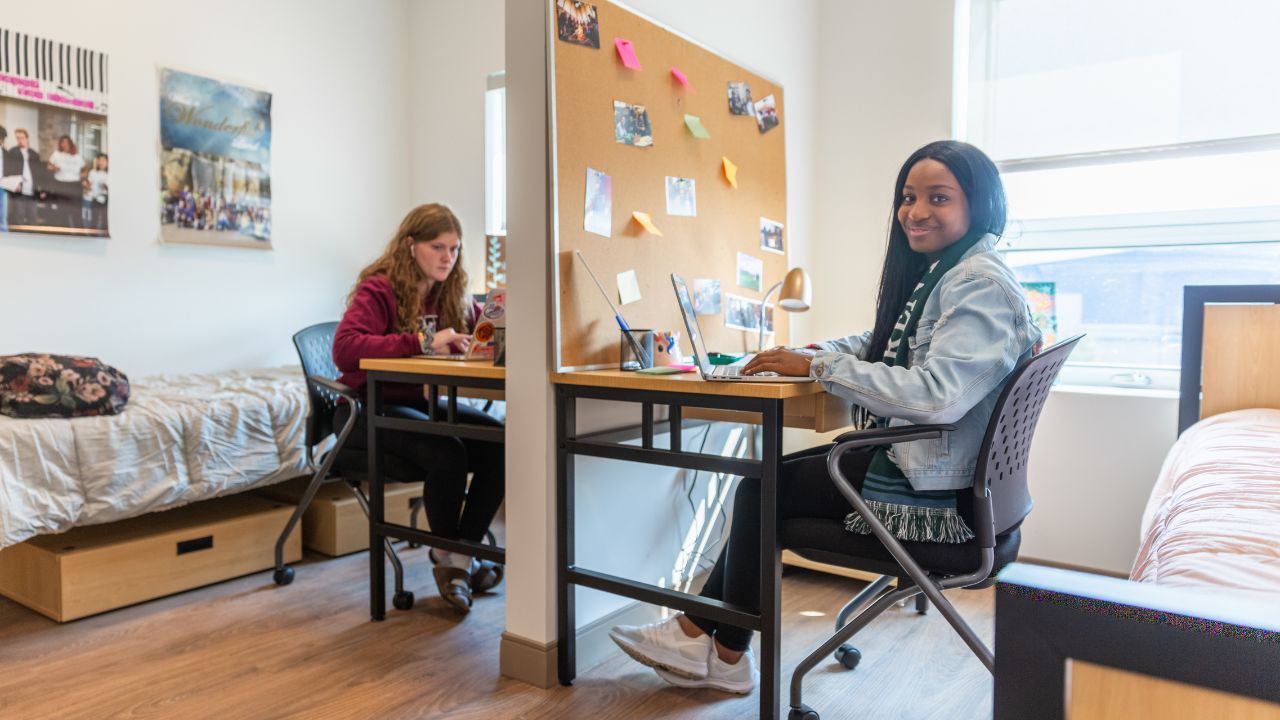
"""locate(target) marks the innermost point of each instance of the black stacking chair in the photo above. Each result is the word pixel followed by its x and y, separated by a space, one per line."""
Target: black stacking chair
pixel 995 510
pixel 315 350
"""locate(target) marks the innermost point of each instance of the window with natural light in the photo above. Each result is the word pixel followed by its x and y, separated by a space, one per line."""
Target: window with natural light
pixel 1135 163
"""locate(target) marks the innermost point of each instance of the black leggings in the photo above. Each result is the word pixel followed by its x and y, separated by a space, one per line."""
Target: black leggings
pixel 454 511
pixel 805 490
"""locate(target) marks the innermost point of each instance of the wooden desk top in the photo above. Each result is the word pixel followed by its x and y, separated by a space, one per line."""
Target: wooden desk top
pixel 686 383
pixel 428 366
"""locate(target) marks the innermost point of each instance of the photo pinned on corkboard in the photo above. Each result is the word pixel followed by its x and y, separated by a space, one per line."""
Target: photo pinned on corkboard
pixel 577 23
pixel 631 125
pixel 598 215
pixel 771 236
pixel 744 314
pixel 750 271
pixel 740 99
pixel 682 197
pixel 766 114
pixel 706 296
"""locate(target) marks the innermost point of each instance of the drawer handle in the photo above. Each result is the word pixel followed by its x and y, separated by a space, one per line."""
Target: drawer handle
pixel 190 546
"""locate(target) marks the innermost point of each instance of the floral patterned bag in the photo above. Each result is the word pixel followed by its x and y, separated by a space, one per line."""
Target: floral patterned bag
pixel 37 385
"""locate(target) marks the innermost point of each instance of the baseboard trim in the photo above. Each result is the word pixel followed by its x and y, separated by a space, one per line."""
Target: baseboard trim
pixel 527 660
pixel 536 663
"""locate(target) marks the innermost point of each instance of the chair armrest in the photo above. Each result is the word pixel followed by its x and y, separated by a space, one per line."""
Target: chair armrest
pixel 891 435
pixel 334 386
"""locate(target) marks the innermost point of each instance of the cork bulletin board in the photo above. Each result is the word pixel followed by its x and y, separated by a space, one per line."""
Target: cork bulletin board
pixel 586 83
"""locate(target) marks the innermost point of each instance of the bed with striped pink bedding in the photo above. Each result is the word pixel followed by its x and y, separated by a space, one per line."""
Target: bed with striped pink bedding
pixel 1213 519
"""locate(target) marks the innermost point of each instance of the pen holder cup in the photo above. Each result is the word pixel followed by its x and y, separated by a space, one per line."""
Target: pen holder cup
pixel 627 356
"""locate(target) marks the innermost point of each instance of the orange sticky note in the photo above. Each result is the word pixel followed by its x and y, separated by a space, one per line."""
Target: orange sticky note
pixel 646 222
pixel 627 52
pixel 675 72
pixel 730 171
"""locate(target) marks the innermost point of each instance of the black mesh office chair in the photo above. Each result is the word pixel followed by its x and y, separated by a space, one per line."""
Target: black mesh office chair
pixel 995 509
pixel 315 350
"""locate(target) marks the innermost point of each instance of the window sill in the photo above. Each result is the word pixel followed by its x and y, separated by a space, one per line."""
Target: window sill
pixel 1147 393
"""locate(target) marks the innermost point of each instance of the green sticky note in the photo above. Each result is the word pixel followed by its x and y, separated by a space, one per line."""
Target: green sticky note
pixel 659 370
pixel 695 126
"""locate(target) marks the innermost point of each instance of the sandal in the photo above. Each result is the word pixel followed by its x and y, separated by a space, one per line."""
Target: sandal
pixel 486 575
pixel 454 585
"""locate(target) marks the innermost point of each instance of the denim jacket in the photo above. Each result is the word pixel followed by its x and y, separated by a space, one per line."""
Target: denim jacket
pixel 974 329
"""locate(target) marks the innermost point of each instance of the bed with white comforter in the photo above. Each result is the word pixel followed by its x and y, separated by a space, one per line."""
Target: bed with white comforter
pixel 181 438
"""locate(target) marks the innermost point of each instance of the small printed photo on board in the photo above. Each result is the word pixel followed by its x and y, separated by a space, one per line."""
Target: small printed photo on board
pixel 631 125
pixel 740 99
pixel 706 296
pixel 750 269
pixel 771 236
pixel 598 216
pixel 744 314
pixel 577 23
pixel 766 114
pixel 682 198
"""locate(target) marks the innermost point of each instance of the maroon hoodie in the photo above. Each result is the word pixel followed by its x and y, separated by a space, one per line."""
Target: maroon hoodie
pixel 368 330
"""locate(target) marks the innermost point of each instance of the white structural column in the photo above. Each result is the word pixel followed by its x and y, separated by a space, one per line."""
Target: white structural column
pixel 528 643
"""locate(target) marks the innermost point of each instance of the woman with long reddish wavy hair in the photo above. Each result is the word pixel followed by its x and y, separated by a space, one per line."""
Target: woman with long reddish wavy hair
pixel 413 300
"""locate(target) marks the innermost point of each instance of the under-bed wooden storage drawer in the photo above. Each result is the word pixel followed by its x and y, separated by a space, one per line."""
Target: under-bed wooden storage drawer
pixel 92 569
pixel 334 524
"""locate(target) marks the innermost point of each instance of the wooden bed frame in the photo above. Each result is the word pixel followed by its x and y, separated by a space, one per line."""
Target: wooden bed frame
pixel 1085 647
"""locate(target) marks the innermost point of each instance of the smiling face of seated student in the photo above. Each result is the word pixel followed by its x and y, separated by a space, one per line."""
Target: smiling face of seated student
pixel 934 210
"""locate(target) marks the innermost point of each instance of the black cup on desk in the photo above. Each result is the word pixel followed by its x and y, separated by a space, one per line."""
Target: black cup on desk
pixel 644 339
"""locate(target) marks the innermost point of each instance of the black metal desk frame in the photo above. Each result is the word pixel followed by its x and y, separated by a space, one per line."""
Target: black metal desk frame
pixel 448 426
pixel 768 622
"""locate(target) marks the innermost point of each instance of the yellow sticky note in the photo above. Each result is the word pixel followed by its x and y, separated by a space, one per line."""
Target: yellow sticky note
pixel 628 287
pixel 730 171
pixel 646 222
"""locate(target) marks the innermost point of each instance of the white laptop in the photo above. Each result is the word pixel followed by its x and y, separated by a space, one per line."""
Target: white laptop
pixel 721 373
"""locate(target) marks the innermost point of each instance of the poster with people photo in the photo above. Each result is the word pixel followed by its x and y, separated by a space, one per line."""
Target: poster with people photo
pixel 215 162
pixel 53 137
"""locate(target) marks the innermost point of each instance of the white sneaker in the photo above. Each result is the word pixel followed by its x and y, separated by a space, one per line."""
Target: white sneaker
pixel 663 646
pixel 739 678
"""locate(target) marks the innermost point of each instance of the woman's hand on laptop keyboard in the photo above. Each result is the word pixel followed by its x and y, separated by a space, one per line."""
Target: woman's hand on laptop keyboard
pixel 780 362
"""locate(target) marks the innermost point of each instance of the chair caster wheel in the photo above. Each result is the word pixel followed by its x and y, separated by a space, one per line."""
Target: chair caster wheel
pixel 848 656
pixel 402 600
pixel 804 712
pixel 283 576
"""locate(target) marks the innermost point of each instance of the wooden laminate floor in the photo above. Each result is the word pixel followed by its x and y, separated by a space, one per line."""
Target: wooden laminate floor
pixel 247 649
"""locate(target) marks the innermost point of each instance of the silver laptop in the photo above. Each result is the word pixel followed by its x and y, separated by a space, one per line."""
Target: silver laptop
pixel 722 373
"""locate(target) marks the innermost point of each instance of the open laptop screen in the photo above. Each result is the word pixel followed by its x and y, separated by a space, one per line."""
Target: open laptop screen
pixel 700 356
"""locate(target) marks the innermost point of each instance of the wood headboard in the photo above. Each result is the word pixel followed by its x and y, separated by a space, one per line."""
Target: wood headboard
pixel 1230 350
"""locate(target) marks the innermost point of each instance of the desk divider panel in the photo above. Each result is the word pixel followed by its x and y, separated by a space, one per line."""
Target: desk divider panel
pixel 586 82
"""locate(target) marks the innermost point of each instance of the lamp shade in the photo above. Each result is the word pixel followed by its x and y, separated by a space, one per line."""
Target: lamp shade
pixel 797 291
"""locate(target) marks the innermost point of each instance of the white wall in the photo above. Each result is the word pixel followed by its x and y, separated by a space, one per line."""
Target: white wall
pixel 884 73
pixel 453 46
pixel 884 79
pixel 340 179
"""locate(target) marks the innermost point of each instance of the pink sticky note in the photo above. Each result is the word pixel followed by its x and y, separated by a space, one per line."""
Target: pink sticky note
pixel 627 52
pixel 675 72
